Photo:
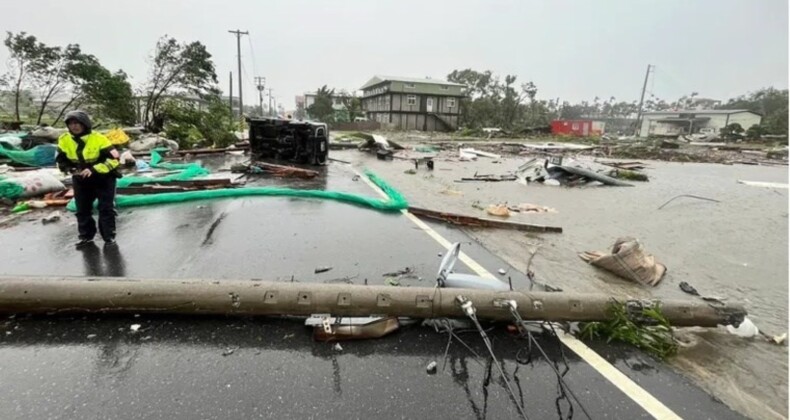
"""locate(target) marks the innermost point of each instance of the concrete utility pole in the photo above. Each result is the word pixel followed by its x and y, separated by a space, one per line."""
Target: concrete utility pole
pixel 230 92
pixel 642 100
pixel 238 34
pixel 260 83
pixel 270 101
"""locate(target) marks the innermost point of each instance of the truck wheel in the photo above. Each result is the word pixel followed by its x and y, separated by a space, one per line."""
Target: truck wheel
pixel 320 152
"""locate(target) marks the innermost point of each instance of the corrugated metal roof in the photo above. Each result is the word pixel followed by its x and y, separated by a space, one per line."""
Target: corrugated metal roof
pixel 378 79
pixel 697 111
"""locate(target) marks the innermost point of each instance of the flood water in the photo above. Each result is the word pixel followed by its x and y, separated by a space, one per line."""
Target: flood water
pixel 735 249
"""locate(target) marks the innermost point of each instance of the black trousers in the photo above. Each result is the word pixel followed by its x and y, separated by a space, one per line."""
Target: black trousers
pixel 86 191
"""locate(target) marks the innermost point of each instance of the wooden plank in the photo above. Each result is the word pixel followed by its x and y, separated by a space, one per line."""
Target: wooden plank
pixel 459 219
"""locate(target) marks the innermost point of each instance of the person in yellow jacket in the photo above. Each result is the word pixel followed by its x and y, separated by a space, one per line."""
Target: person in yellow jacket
pixel 93 161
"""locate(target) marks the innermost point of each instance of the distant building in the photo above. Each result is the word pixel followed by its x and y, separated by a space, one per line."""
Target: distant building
pixel 309 98
pixel 690 121
pixel 412 104
pixel 582 128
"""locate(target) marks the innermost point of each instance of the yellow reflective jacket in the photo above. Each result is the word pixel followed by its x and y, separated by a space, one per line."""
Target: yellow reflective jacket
pixel 92 151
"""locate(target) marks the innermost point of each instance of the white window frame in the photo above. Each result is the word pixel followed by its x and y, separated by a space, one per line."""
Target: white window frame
pixel 411 100
pixel 450 102
pixel 409 86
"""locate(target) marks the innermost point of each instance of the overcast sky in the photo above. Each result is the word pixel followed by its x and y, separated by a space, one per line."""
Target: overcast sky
pixel 573 50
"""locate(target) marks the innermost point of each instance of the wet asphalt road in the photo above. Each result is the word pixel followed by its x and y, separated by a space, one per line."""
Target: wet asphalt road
pixel 215 367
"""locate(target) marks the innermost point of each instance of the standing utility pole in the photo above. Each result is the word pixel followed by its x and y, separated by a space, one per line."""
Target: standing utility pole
pixel 642 100
pixel 230 93
pixel 270 101
pixel 238 34
pixel 260 82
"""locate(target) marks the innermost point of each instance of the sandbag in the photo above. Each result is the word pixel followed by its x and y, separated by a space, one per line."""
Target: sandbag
pixel 629 261
pixel 30 184
pixel 48 133
pixel 150 142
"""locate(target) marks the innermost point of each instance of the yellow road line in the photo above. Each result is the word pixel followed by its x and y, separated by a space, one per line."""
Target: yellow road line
pixel 644 399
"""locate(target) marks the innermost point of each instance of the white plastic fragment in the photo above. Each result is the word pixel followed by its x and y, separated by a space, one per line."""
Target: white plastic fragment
pixel 431 368
pixel 746 329
pixel 134 327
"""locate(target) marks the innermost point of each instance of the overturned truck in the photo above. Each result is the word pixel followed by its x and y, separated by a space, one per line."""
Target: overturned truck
pixel 297 141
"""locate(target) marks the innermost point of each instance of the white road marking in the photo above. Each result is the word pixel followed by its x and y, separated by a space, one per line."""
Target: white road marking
pixel 764 184
pixel 644 399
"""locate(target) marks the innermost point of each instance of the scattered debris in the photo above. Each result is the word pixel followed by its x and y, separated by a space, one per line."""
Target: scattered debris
pixel 480 153
pixel 689 196
pixel 410 172
pixel 502 271
pixel 431 368
pixel 629 175
pixel 392 282
pixel 134 327
pixel 340 161
pixel 272 169
pixel 450 191
pixel 531 208
pixel 746 329
pixel 500 210
pixel 545 170
pixel 489 178
pixel 628 166
pixel 629 261
pixel 466 157
pixel 688 288
pixel 337 347
pixel 554 147
pixel 51 218
pixel 401 272
pixel 459 219
pixel 322 269
pixel 228 351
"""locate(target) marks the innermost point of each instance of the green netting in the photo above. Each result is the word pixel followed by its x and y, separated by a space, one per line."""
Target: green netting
pixel 186 172
pixel 42 155
pixel 394 202
pixel 11 189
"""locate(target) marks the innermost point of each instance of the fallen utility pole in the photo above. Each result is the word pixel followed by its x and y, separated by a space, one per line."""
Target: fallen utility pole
pixel 460 219
pixel 247 297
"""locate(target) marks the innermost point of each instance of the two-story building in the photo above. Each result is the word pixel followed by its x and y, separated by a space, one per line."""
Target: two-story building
pixel 412 104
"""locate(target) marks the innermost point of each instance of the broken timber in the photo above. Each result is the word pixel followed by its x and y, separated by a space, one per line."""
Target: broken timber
pixel 246 297
pixel 154 187
pixel 281 170
pixel 460 219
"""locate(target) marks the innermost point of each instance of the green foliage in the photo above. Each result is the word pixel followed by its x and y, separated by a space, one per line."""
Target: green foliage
pixel 28 57
pixel 755 132
pixel 322 109
pixel 53 72
pixel 770 102
pixel 732 131
pixel 652 333
pixel 189 124
pixel 177 68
